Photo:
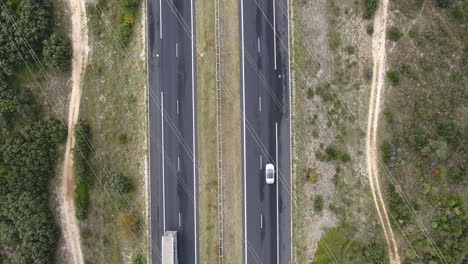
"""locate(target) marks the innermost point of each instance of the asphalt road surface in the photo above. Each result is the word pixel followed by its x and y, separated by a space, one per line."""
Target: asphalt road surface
pixel 266 130
pixel 173 174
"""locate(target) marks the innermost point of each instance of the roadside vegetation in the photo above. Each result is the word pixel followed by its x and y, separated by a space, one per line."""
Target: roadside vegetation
pixel 231 132
pixel 29 132
pixel 207 139
pixel 423 139
pixel 81 152
pixel 334 217
pixel 111 188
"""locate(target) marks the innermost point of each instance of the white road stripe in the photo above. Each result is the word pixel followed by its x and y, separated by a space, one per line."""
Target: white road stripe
pixel 178 163
pixel 180 222
pixel 258 44
pixel 162 147
pixel 177 104
pixel 160 20
pixel 277 198
pixel 177 50
pixel 261 221
pixel 193 139
pixel 260 164
pixel 243 129
pixel 260 103
pixel 274 30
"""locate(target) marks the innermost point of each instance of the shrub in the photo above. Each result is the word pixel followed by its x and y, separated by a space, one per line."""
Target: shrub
pixel 458 14
pixel 370 6
pixel 345 157
pixel 394 34
pixel 81 200
pixel 57 52
pixel 386 152
pixel 124 33
pixel 448 129
pixel 332 153
pixel 123 138
pixel 394 77
pixel 82 149
pixel 443 3
pixel 129 4
pixel 312 175
pixel 370 29
pixel 129 18
pixel 127 221
pixel 310 93
pixel 350 50
pixel 318 204
pixel 139 260
pixel 121 183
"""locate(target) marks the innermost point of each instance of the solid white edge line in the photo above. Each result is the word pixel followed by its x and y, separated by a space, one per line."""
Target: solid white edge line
pixel 290 135
pixel 243 131
pixel 162 158
pixel 193 138
pixel 160 20
pixel 274 31
pixel 277 198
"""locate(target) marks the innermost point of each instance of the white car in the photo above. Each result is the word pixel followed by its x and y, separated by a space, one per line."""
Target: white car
pixel 270 173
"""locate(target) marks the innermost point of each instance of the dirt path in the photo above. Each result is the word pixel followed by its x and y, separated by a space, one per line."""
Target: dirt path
pixel 377 86
pixel 79 41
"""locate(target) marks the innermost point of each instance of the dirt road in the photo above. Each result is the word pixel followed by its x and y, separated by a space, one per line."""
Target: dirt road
pixel 79 40
pixel 377 86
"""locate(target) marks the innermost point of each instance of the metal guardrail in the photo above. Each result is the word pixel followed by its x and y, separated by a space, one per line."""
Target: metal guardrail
pixel 219 135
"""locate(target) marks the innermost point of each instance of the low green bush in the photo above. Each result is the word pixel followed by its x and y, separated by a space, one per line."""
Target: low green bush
pixel 120 183
pixel 394 34
pixel 370 7
pixel 139 260
pixel 318 204
pixel 394 77
pixel 82 200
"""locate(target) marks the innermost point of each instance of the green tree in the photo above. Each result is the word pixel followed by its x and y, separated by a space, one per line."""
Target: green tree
pixel 57 52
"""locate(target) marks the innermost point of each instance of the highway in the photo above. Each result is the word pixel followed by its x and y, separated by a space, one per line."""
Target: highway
pixel 172 126
pixel 265 130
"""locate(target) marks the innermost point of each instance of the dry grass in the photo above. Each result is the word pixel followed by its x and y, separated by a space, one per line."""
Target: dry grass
pixel 206 110
pixel 231 124
pixel 331 56
pixel 114 103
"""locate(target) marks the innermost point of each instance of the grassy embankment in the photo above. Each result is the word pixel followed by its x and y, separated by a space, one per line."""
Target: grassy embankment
pixel 334 218
pixel 422 133
pixel 114 105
